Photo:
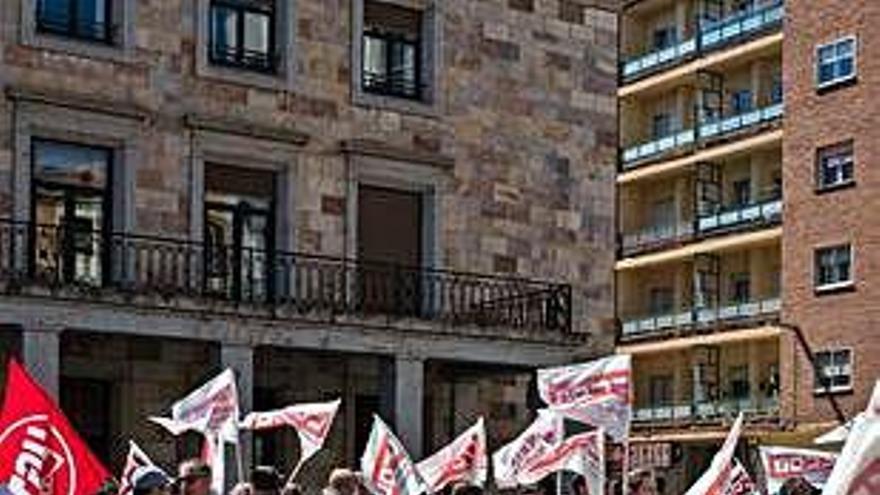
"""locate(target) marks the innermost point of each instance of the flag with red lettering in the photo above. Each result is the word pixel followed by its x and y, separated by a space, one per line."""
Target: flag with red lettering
pixel 857 470
pixel 212 410
pixel 784 463
pixel 716 479
pixel 596 393
pixel 740 483
pixel 386 467
pixel 583 454
pixel 512 462
pixel 40 453
pixel 463 460
pixel 136 458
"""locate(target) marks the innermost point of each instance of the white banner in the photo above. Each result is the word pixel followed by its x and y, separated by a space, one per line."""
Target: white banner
pixel 463 460
pixel 212 410
pixel 136 458
pixel 386 467
pixel 716 479
pixel 784 463
pixel 857 470
pixel 311 421
pixel 597 393
pixel 583 454
pixel 544 435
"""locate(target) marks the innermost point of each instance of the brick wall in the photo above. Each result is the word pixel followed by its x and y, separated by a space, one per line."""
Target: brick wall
pixel 848 319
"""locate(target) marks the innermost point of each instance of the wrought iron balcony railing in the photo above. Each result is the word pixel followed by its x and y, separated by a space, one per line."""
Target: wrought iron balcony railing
pixel 689 319
pixel 706 411
pixel 72 262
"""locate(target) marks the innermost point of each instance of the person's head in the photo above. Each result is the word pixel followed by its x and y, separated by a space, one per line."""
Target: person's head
pixel 462 488
pixel 266 480
pixel 194 476
pixel 150 480
pixel 798 486
pixel 343 482
pixel 242 489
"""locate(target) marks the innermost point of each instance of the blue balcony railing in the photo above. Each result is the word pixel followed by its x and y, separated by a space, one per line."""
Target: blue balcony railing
pixel 657 147
pixel 714 34
pixel 763 212
pixel 720 127
pixel 728 313
pixel 656 59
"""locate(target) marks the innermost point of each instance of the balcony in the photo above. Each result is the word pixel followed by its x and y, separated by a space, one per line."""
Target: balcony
pixel 635 155
pixel 716 128
pixel 656 237
pixel 73 263
pixel 706 411
pixel 711 35
pixel 717 34
pixel 740 216
pixel 694 320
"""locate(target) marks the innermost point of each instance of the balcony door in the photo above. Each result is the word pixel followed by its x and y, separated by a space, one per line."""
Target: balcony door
pixel 389 250
pixel 239 232
pixel 70 221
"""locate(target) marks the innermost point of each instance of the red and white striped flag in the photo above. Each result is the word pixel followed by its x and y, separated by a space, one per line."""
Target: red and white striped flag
pixel 512 462
pixel 463 460
pixel 136 458
pixel 740 483
pixel 386 466
pixel 717 478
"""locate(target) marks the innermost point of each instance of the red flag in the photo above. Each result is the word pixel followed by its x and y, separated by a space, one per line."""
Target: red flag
pixel 40 453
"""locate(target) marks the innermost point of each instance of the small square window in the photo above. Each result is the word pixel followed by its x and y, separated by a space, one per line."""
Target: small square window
pixel 391 50
pixel 833 371
pixel 836 62
pixel 665 37
pixel 834 165
pixel 742 102
pixel 241 35
pixel 834 267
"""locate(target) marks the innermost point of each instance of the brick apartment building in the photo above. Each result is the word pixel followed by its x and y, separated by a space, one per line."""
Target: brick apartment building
pixel 746 230
pixel 404 203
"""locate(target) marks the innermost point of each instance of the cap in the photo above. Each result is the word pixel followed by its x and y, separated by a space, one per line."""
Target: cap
pixel 146 478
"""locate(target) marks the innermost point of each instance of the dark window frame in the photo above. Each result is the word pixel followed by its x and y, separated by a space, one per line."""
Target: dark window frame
pixel 836 151
pixel 825 384
pixel 838 283
pixel 237 56
pixel 69 243
pixel 390 86
pixel 71 27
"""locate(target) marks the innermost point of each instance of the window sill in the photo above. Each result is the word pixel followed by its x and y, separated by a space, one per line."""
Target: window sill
pixel 835 187
pixel 835 288
pixel 824 392
pixel 420 107
pixel 834 84
pixel 82 47
pixel 278 80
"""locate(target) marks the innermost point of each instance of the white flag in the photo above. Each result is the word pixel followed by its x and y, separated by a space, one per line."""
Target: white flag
pixel 136 458
pixel 463 460
pixel 596 393
pixel 857 470
pixel 212 410
pixel 784 463
pixel 311 421
pixel 583 454
pixel 716 479
pixel 386 467
pixel 543 436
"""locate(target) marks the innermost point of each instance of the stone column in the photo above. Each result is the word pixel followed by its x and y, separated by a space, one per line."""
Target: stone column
pixel 41 350
pixel 409 385
pixel 240 357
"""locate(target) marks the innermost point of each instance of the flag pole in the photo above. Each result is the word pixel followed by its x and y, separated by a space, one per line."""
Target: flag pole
pixel 559 482
pixel 625 467
pixel 239 461
pixel 294 472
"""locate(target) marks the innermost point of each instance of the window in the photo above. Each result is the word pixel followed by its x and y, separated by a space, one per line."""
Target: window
pixel 391 50
pixel 661 301
pixel 834 370
pixel 241 34
pixel 742 192
pixel 239 228
pixel 740 288
pixel 741 101
pixel 833 267
pixel 83 19
pixel 71 187
pixel 836 62
pixel 665 37
pixel 834 165
pixel 662 125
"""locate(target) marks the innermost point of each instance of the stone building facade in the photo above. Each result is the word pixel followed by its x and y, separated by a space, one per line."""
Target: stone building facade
pixel 194 184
